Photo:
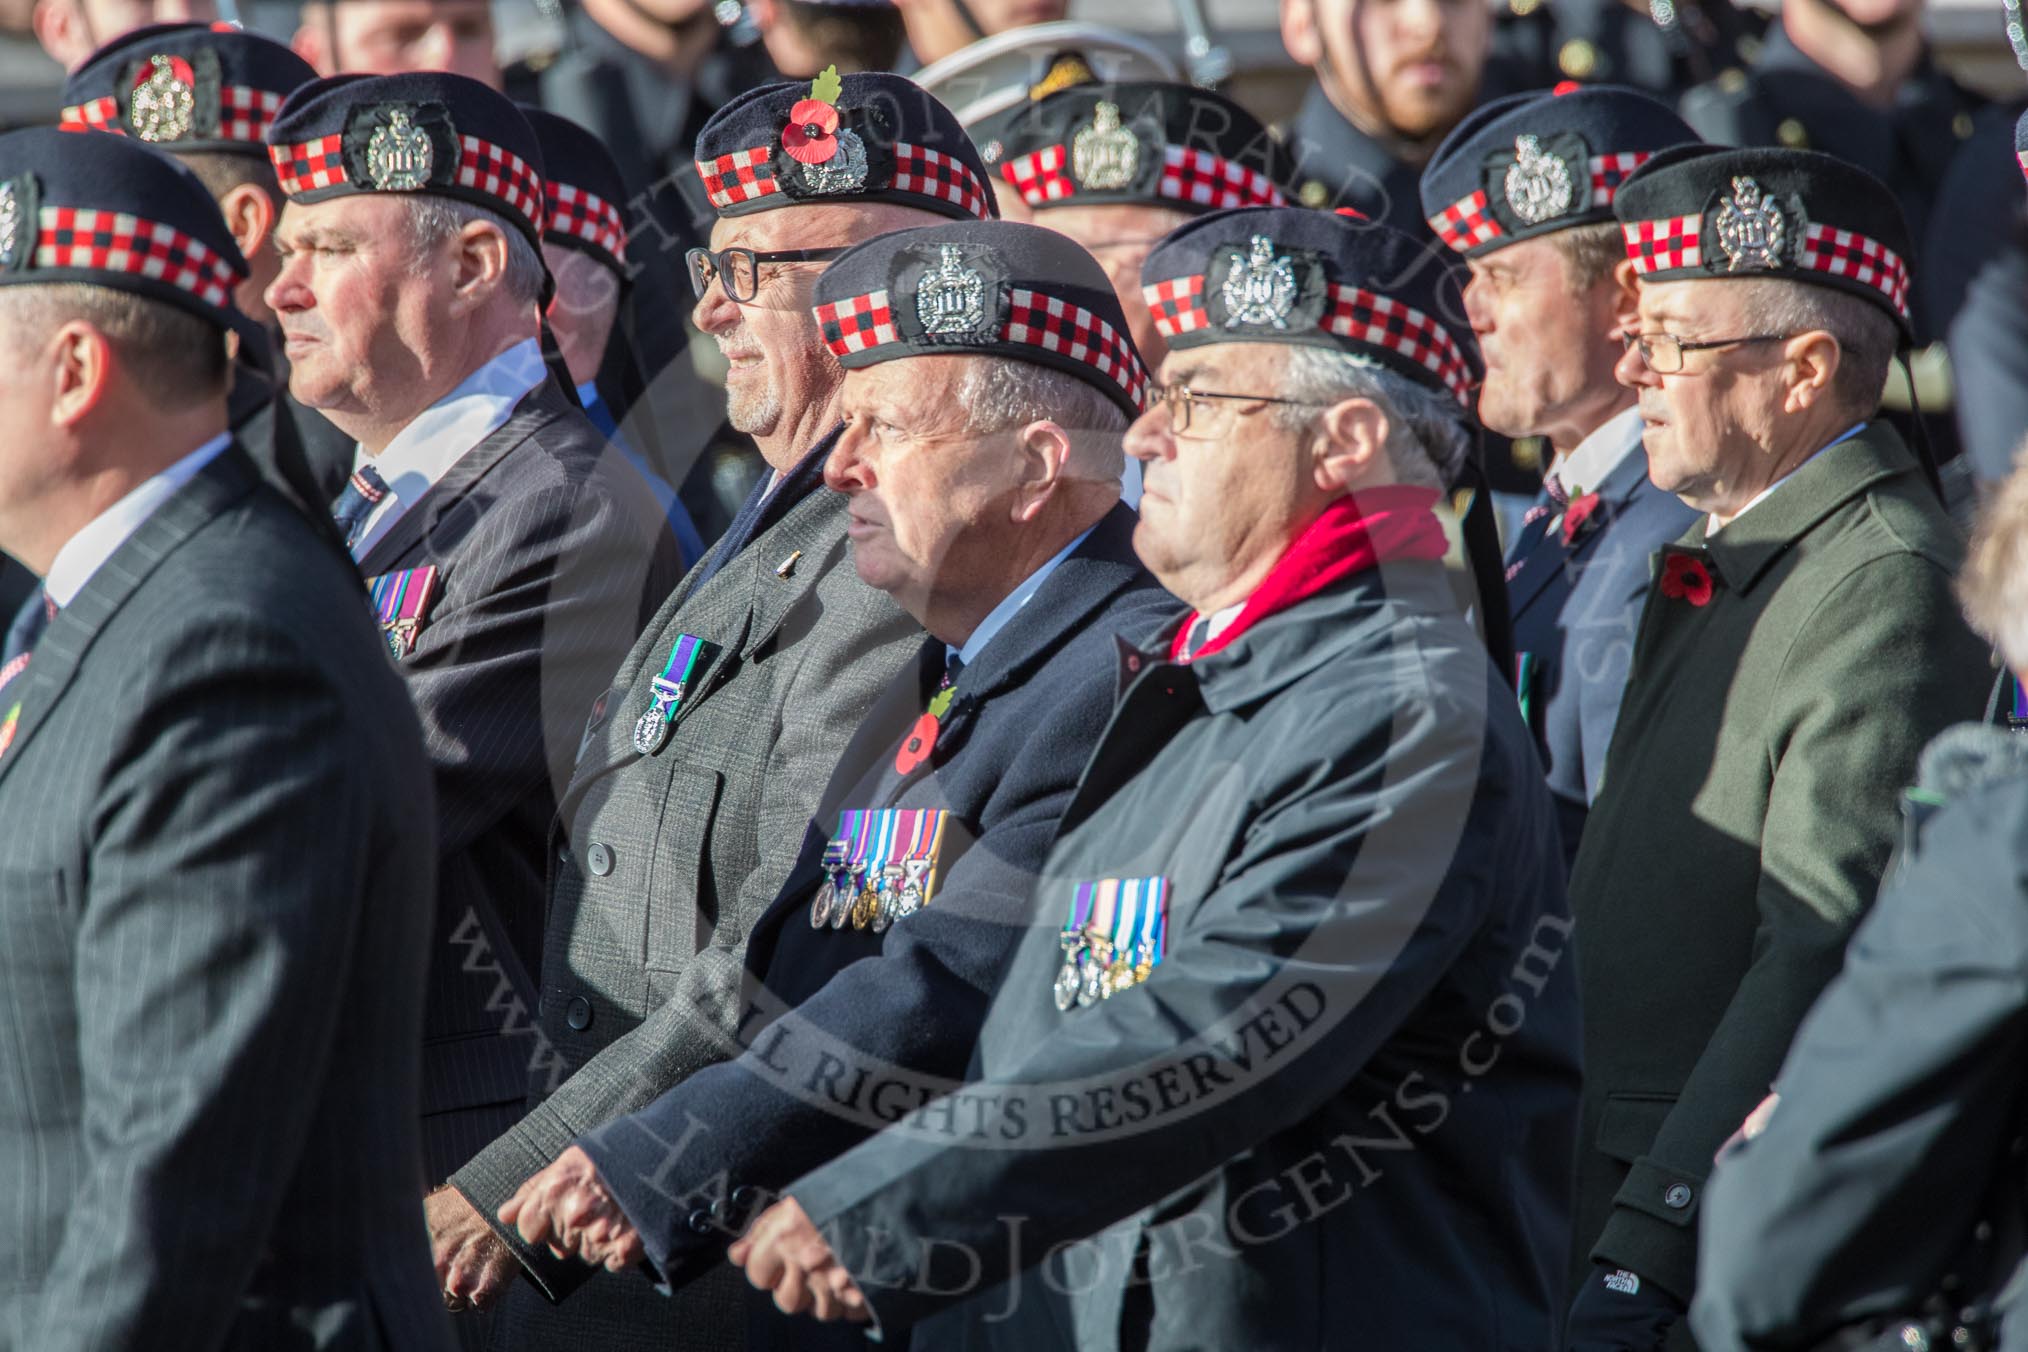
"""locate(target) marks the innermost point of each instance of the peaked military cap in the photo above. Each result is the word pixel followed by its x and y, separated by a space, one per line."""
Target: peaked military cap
pixel 111 212
pixel 865 137
pixel 1146 143
pixel 1530 164
pixel 185 86
pixel 1312 279
pixel 425 132
pixel 994 288
pixel 1705 212
pixel 581 190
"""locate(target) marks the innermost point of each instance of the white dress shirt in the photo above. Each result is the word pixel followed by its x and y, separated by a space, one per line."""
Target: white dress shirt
pixel 1010 605
pixel 1592 461
pixel 1713 526
pixel 440 436
pixel 84 553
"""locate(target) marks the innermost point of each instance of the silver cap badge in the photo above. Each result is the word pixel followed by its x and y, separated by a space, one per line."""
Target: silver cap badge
pixel 1752 231
pixel 844 171
pixel 163 103
pixel 951 299
pixel 400 155
pixel 1263 290
pixel 1105 156
pixel 1538 186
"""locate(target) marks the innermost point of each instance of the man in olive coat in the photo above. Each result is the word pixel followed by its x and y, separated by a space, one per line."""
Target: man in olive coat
pixel 1799 647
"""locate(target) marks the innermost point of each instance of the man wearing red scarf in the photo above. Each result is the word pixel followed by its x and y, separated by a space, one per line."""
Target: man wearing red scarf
pixel 1288 1057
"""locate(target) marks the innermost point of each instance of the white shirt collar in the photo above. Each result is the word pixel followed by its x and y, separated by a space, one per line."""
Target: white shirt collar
pixel 1713 525
pixel 1592 461
pixel 84 553
pixel 438 437
pixel 1010 605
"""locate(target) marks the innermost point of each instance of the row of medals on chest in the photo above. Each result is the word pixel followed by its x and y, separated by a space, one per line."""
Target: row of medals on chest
pixel 872 896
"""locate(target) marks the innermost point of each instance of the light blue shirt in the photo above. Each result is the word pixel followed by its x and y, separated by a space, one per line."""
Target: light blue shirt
pixel 439 437
pixel 1010 606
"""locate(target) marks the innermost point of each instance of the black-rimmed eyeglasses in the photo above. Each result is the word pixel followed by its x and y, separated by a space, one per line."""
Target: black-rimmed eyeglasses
pixel 1181 400
pixel 738 270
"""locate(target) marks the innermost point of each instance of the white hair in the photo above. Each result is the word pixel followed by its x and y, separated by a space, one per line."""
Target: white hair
pixel 1427 441
pixel 1993 586
pixel 998 393
pixel 432 220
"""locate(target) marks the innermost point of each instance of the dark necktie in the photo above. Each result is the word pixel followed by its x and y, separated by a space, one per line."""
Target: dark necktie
pixel 362 493
pixel 23 634
pixel 1559 502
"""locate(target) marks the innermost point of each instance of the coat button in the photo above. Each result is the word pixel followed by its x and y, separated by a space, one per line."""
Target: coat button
pixel 700 1222
pixel 1676 1198
pixel 563 855
pixel 578 1013
pixel 599 859
pixel 744 1196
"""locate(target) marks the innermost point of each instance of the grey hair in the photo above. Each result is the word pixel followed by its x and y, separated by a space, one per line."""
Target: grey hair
pixel 432 220
pixel 1427 441
pixel 1866 336
pixel 998 393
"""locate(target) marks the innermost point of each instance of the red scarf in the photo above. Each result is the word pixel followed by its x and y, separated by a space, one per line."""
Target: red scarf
pixel 1352 535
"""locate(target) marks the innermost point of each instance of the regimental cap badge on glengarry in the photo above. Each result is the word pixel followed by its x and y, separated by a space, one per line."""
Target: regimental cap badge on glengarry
pixel 10 223
pixel 863 137
pixel 1104 156
pixel 185 87
pixel 993 288
pixel 400 156
pixel 1710 213
pixel 1530 164
pixel 1258 285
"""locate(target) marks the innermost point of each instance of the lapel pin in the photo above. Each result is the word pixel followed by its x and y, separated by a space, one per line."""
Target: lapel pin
pixel 788 565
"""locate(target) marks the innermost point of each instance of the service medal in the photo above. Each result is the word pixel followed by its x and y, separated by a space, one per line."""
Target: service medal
pixel 820 909
pixel 1091 988
pixel 651 730
pixel 912 891
pixel 849 896
pixel 1067 982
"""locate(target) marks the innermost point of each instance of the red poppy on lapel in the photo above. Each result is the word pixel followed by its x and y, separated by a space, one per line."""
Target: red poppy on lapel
pixel 916 747
pixel 1684 576
pixel 1576 516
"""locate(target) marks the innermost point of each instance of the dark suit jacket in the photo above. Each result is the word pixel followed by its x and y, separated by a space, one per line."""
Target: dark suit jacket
pixel 1747 813
pixel 1575 609
pixel 904 1006
pixel 1299 1132
pixel 16 584
pixel 547 557
pixel 215 883
pixel 662 864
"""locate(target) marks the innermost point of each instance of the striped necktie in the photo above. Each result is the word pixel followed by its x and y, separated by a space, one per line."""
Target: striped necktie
pixel 350 509
pixel 23 634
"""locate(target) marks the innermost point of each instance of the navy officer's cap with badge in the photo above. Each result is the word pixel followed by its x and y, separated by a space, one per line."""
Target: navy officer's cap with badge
pixel 582 190
pixel 1312 279
pixel 990 288
pixel 185 87
pixel 109 211
pixel 1703 213
pixel 1144 143
pixel 865 137
pixel 1530 164
pixel 426 132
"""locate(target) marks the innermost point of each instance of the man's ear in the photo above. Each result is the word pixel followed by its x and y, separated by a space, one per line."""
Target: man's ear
pixel 60 29
pixel 1813 359
pixel 481 263
pixel 1043 453
pixel 81 372
pixel 1626 297
pixel 1299 32
pixel 250 215
pixel 1351 446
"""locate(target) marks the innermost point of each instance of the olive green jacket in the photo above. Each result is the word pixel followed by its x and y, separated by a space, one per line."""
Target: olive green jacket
pixel 1745 819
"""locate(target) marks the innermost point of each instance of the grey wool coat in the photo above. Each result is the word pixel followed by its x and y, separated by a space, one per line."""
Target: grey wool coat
pixel 660 865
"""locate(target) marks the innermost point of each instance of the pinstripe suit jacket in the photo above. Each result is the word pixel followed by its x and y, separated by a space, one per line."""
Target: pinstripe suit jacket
pixel 214 887
pixel 547 561
pixel 662 865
